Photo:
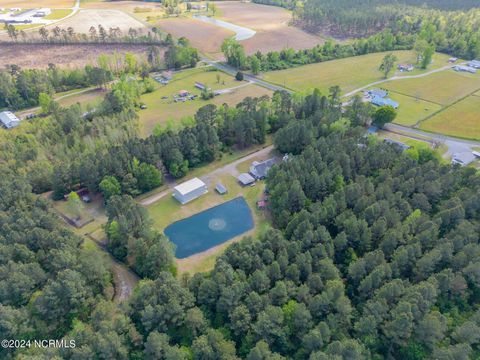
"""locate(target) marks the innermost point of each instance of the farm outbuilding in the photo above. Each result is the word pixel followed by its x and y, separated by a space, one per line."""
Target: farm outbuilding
pixel 222 190
pixel 378 93
pixel 378 101
pixel 189 190
pixel 461 68
pixel 183 93
pixel 9 120
pixel 245 179
pixel 463 159
pixel 474 63
pixel 402 146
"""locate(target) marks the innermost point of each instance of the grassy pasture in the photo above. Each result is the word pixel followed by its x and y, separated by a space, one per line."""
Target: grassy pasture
pixel 29 4
pixel 461 119
pixel 350 73
pixel 442 88
pixel 166 111
pixel 412 110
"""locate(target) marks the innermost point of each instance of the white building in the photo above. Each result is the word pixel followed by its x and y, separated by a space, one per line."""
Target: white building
pixel 189 190
pixel 8 119
pixel 463 159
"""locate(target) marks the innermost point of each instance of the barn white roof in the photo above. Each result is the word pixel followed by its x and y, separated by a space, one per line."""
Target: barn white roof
pixel 189 186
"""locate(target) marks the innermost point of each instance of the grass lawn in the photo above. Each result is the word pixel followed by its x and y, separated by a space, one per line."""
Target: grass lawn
pixel 412 110
pixel 461 119
pixel 90 97
pixel 25 26
pixel 58 14
pixel 350 73
pixel 169 210
pixel 443 88
pixel 166 111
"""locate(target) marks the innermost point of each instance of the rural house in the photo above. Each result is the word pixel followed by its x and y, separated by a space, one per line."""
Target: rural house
pixel 260 169
pixel 406 67
pixel 378 101
pixel 189 190
pixel 9 120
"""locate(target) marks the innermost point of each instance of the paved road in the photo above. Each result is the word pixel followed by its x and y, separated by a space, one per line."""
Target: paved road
pixel 230 168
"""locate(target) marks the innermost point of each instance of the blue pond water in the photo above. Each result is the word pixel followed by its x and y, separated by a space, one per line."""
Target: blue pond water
pixel 210 228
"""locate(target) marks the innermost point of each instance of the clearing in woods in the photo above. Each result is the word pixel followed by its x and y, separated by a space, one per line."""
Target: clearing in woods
pixel 349 73
pixel 167 112
pixel 271 24
pixel 461 119
pixel 40 55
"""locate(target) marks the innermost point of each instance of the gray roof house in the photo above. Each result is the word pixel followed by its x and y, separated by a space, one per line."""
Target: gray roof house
pixel 260 169
pixel 9 120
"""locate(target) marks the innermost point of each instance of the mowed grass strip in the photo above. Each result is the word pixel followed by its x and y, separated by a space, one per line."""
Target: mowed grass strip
pixel 163 111
pixel 461 120
pixel 412 110
pixel 58 14
pixel 350 73
pixel 443 88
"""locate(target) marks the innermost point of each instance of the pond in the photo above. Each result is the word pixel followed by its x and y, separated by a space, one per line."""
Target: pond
pixel 242 33
pixel 210 228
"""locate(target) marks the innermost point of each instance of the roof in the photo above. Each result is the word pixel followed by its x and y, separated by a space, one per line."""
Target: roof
pixel 474 63
pixel 260 169
pixel 378 93
pixel 463 158
pixel 8 119
pixel 220 188
pixel 384 102
pixel 465 68
pixel 372 130
pixel 189 186
pixel 245 178
pixel 400 144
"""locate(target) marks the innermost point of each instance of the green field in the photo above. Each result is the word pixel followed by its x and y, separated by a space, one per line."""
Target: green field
pixel 461 119
pixel 350 73
pixel 442 88
pixel 166 111
pixel 58 14
pixel 411 110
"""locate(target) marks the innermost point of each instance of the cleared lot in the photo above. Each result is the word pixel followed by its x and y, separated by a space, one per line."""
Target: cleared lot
pixel 39 56
pixel 271 24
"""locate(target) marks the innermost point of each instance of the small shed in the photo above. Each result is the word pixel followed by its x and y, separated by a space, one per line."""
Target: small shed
pixel 9 120
pixel 183 93
pixel 200 86
pixel 405 67
pixel 245 179
pixel 452 60
pixel 189 190
pixel 222 190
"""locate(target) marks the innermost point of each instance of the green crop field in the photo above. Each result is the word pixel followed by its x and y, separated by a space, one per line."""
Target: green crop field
pixel 443 87
pixel 412 110
pixel 461 119
pixel 350 73
pixel 166 111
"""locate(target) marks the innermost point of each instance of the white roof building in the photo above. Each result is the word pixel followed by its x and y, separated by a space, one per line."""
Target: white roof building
pixel 189 190
pixel 463 159
pixel 9 120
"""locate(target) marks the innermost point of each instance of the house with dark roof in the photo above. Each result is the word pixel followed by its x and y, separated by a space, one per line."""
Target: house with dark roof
pixel 259 169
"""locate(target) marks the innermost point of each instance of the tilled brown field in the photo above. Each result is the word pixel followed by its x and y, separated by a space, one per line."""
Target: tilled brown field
pixel 205 37
pixel 39 56
pixel 271 24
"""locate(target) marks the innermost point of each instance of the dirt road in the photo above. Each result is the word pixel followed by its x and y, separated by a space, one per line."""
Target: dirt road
pixel 207 178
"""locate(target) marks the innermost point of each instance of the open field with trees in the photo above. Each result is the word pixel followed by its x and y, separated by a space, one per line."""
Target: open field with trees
pixel 442 88
pixel 167 113
pixel 58 14
pixel 462 119
pixel 40 55
pixel 412 110
pixel 349 73
pixel 272 24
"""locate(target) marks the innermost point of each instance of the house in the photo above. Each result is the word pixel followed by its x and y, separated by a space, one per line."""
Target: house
pixel 474 63
pixel 245 179
pixel 452 60
pixel 463 159
pixel 222 190
pixel 200 86
pixel 380 93
pixel 406 67
pixel 189 190
pixel 402 146
pixel 9 120
pixel 183 93
pixel 260 169
pixel 461 68
pixel 378 101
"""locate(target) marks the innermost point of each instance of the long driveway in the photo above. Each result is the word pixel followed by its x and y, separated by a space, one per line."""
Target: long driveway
pixel 230 168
